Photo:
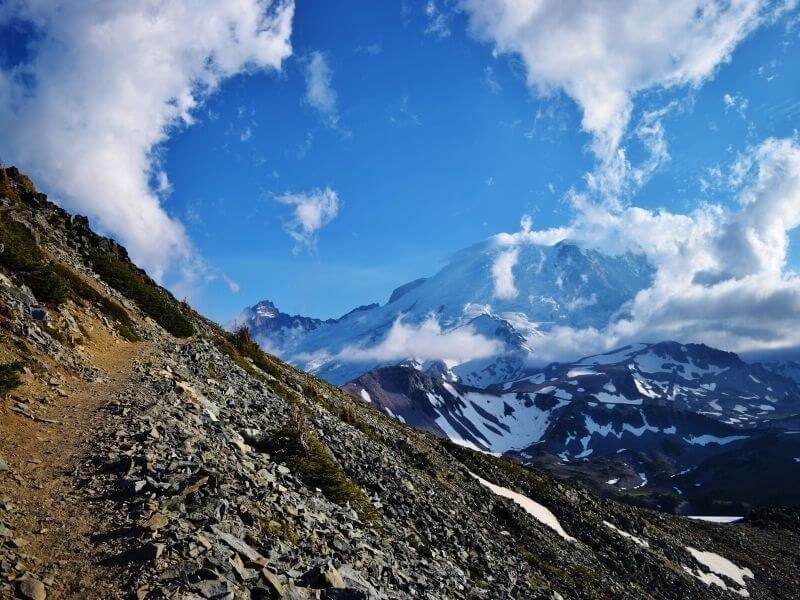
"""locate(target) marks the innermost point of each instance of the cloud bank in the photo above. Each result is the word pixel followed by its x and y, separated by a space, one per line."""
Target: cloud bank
pixel 722 275
pixel 107 83
pixel 602 54
pixel 425 341
pixel 311 212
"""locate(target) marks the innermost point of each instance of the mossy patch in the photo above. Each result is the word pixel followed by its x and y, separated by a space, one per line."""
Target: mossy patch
pixel 22 256
pixel 300 448
pixel 115 311
pixel 10 376
pixel 155 302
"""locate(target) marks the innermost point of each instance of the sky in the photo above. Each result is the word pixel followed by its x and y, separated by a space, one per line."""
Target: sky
pixel 320 154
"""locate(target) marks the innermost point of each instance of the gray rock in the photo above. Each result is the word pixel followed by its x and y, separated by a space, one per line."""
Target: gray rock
pixel 31 589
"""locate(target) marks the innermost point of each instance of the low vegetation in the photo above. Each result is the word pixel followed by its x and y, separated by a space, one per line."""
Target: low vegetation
pixel 300 448
pixel 155 303
pixel 82 291
pixel 22 256
pixel 10 376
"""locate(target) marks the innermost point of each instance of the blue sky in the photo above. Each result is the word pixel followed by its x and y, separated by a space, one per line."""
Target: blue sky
pixel 433 143
pixel 429 155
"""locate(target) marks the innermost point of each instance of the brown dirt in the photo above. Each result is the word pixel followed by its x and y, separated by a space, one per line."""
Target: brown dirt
pixel 54 515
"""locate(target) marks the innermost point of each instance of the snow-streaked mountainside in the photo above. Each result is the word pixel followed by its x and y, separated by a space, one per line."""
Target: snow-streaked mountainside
pixel 654 411
pixel 498 298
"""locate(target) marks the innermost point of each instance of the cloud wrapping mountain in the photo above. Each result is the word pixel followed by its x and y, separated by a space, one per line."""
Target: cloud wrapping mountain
pixel 108 82
pixel 721 272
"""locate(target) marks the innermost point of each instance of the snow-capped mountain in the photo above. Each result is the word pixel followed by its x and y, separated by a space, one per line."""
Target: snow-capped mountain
pixel 500 296
pixel 650 410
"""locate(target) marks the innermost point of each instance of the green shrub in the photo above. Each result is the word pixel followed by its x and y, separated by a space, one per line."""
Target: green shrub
pixel 47 285
pixel 242 341
pixel 22 255
pixel 298 445
pixel 20 250
pixel 114 310
pixel 9 376
pixel 156 303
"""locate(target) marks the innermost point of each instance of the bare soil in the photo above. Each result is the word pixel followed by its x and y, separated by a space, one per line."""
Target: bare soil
pixel 55 516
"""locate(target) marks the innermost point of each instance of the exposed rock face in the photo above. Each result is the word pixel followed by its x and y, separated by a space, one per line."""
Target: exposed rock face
pixel 215 471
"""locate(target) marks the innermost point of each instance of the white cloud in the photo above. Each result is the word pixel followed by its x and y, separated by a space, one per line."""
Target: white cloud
pixel 490 80
pixel 426 341
pixel 113 80
pixel 503 274
pixel 319 89
pixel 438 20
pixel 602 54
pixel 312 211
pixel 722 274
pixel 735 102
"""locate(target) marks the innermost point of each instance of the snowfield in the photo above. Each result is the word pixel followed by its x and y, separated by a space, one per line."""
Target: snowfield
pixel 533 508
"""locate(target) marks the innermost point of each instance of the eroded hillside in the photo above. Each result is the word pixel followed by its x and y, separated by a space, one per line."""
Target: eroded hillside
pixel 146 453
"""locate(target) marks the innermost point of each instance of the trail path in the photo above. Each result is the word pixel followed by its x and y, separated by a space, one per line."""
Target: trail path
pixel 54 516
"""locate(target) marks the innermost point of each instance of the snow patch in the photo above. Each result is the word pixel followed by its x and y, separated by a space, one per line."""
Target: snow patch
pixel 718 565
pixel 705 439
pixel 572 373
pixel 365 396
pixel 636 540
pixel 537 511
pixel 714 518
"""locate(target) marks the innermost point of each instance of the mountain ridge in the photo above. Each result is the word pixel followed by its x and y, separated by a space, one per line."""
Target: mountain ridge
pixel 657 411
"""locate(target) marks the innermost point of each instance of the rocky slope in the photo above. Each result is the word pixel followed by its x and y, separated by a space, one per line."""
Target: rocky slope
pixel 146 453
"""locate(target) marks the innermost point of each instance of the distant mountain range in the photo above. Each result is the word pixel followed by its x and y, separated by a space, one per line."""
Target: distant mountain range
pixel 674 426
pixel 665 424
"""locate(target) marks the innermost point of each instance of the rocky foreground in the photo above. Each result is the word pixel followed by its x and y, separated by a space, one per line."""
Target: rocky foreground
pixel 145 453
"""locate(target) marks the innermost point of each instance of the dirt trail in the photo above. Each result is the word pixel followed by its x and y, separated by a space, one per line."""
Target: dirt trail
pixel 53 514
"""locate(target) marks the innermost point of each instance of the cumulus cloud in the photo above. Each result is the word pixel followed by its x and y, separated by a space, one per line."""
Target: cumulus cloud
pixel 107 83
pixel 312 211
pixel 602 54
pixel 722 275
pixel 319 88
pixel 425 341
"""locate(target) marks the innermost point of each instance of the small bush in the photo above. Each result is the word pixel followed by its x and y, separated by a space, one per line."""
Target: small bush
pixel 156 303
pixel 47 285
pixel 242 341
pixel 20 250
pixel 284 530
pixel 9 376
pixel 22 255
pixel 300 448
pixel 114 310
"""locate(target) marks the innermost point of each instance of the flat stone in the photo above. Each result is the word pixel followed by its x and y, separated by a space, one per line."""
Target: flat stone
pixel 156 522
pixel 273 585
pixel 31 588
pixel 241 547
pixel 214 588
